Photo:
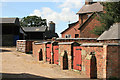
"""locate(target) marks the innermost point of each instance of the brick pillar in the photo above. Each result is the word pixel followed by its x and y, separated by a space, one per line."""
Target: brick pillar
pixel 52 54
pixel 44 52
pixel 105 60
pixel 69 62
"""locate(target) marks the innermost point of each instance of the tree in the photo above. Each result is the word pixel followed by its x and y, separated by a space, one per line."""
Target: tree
pixel 32 21
pixel 107 19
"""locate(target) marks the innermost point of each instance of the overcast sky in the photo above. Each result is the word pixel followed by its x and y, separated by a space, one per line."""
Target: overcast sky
pixel 60 12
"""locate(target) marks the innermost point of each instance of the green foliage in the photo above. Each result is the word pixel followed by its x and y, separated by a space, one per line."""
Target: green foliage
pixel 32 21
pixel 107 19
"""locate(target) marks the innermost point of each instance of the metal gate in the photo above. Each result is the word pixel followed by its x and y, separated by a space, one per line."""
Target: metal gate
pixel 56 55
pixel 48 55
pixel 77 58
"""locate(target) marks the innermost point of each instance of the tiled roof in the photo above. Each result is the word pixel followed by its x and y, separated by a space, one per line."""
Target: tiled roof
pixel 34 29
pixel 95 7
pixel 112 33
pixel 8 20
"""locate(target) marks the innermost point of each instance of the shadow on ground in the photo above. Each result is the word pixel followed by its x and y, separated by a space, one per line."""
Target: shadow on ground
pixel 22 76
pixel 3 50
pixel 26 76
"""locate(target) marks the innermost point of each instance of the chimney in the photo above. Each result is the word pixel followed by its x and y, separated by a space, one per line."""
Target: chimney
pixel 88 2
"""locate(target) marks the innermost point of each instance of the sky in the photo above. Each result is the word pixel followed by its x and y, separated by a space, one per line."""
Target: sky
pixel 60 12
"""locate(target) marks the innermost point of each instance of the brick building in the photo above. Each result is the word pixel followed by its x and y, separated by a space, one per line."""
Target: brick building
pixel 94 58
pixel 86 23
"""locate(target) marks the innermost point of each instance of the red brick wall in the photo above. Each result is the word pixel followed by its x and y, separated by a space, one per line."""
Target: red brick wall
pixel 36 50
pixel 82 18
pixel 85 31
pixel 86 57
pixel 72 31
pixel 113 61
pixel 63 48
pixel 107 58
pixel 28 46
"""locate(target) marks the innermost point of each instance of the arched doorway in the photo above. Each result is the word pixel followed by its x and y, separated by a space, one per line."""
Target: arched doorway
pixel 65 61
pixel 93 67
pixel 40 55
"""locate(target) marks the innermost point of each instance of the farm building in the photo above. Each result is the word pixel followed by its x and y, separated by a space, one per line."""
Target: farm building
pixel 40 33
pixel 86 23
pixel 44 51
pixel 94 58
pixel 11 31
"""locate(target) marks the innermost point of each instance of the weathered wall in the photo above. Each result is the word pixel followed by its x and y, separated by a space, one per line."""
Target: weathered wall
pixel 24 46
pixel 107 58
pixel 113 61
pixel 72 31
pixel 82 18
pixel 87 28
pixel 36 50
pixel 66 48
pixel 86 60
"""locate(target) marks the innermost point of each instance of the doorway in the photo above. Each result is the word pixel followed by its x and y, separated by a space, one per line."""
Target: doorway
pixel 65 61
pixel 40 55
pixel 93 67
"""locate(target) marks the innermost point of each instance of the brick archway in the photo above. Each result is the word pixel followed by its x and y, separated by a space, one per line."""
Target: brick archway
pixel 40 55
pixel 93 67
pixel 65 61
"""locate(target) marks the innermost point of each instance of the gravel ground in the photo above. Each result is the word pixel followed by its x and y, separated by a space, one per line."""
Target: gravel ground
pixel 20 65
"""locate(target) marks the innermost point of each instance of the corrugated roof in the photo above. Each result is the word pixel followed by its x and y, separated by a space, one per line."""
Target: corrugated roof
pixel 112 33
pixel 8 20
pixel 95 7
pixel 35 29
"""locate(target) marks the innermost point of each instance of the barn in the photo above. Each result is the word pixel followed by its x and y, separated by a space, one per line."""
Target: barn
pixel 11 31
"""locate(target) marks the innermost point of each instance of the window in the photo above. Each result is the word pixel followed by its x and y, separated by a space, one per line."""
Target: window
pixel 67 36
pixel 76 35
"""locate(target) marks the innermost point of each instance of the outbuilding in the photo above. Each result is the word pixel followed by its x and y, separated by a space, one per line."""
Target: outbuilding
pixel 11 31
pixel 39 50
